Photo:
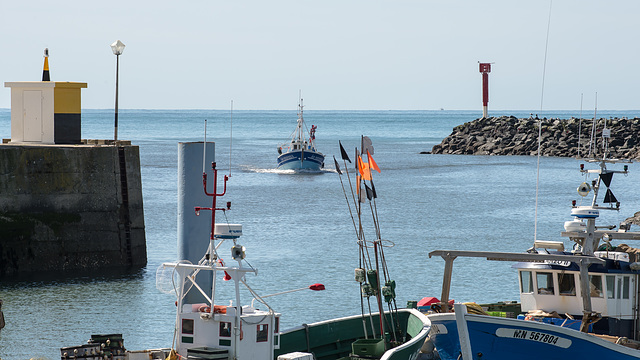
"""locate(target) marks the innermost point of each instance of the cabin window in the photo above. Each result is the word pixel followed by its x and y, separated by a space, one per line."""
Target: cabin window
pixel 263 333
pixel 567 284
pixel 545 283
pixel 611 286
pixel 225 329
pixel 625 287
pixel 619 288
pixel 276 325
pixel 187 326
pixel 595 284
pixel 526 282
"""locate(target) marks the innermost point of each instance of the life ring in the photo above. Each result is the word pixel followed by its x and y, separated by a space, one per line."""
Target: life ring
pixel 217 309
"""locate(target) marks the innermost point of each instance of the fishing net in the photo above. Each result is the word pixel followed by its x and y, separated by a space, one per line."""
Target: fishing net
pixel 167 279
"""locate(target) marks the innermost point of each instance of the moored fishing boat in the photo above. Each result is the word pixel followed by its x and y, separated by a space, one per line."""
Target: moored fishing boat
pixel 300 153
pixel 578 303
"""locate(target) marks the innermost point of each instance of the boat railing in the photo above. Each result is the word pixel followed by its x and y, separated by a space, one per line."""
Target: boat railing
pixel 188 272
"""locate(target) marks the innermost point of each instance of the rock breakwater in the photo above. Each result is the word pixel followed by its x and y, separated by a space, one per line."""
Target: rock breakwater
pixel 508 135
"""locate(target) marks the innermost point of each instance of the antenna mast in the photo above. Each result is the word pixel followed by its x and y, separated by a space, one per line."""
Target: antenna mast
pixel 230 136
pixel 204 147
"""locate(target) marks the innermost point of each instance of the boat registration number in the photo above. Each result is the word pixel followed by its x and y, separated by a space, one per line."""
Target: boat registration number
pixel 533 336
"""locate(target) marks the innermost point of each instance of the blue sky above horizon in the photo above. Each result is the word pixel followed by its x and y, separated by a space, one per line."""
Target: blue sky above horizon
pixel 342 55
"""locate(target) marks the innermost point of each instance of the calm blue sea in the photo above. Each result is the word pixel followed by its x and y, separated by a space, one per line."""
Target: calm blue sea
pixel 297 228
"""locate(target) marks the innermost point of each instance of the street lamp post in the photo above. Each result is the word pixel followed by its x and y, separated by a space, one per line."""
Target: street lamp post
pixel 117 48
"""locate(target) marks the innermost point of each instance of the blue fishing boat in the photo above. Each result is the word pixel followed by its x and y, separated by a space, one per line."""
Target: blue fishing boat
pixel 300 153
pixel 578 303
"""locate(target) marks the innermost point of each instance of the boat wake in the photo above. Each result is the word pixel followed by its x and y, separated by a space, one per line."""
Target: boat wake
pixel 247 168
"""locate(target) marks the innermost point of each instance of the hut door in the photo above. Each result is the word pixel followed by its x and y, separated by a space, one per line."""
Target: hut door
pixel 32 111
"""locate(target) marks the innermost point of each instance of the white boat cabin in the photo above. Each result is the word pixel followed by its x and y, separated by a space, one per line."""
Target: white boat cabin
pixel 555 286
pixel 254 338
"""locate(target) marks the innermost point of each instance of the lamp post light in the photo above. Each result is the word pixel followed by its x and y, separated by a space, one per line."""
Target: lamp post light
pixel 117 48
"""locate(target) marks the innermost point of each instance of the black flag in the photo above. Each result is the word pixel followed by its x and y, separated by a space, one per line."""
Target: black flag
pixel 366 145
pixel 609 197
pixel 369 192
pixel 373 189
pixel 606 178
pixel 343 153
pixel 337 166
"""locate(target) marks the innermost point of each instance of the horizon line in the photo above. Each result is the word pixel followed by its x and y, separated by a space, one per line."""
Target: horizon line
pixel 311 110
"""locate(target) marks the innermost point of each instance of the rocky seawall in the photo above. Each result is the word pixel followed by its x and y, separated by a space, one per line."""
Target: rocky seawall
pixel 508 135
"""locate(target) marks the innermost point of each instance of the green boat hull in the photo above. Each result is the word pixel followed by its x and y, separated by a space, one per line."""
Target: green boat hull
pixel 333 339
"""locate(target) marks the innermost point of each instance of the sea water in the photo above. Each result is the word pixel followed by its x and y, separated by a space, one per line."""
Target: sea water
pixel 297 227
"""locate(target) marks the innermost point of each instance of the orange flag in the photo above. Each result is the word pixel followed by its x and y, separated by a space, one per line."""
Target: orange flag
pixel 372 163
pixel 364 169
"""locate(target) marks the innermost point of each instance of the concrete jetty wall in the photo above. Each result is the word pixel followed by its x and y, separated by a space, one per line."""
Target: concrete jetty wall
pixel 68 208
pixel 508 135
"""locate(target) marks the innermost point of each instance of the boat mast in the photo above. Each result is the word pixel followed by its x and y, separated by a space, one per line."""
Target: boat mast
pixel 300 131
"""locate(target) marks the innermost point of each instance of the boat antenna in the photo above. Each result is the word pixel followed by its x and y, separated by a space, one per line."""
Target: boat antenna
pixel 546 47
pixel 230 135
pixel 544 67
pixel 204 147
pixel 580 124
pixel 593 128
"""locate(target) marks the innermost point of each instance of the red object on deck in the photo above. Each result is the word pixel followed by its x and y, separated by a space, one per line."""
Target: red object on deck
pixel 427 301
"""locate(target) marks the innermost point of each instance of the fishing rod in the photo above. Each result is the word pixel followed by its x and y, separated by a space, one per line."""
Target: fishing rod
pixel 366 289
pixel 345 158
pixel 372 282
pixel 345 192
pixel 365 174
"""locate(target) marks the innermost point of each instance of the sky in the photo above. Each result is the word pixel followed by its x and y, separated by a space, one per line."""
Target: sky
pixel 342 55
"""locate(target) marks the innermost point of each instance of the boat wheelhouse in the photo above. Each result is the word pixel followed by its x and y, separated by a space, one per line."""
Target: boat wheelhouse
pixel 612 287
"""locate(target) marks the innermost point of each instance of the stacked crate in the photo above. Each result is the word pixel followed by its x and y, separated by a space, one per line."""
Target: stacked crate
pixel 99 347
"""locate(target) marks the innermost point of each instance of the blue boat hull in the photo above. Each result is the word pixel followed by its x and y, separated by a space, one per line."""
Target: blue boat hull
pixel 502 338
pixel 444 334
pixel 300 160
